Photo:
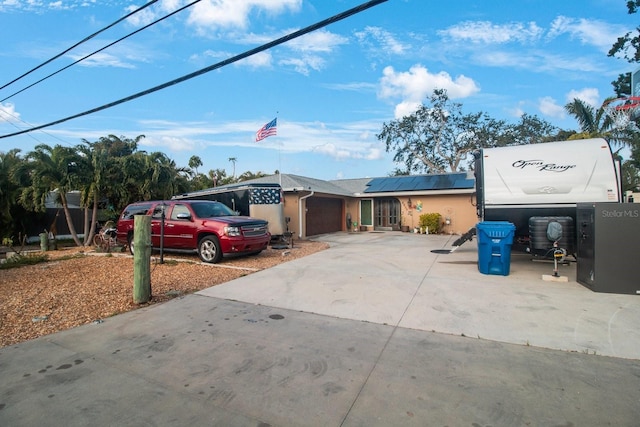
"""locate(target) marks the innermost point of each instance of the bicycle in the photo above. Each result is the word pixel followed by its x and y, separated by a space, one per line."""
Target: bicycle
pixel 105 240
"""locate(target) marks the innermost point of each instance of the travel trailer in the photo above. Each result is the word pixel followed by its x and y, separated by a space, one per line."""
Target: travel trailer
pixel 531 185
pixel 264 201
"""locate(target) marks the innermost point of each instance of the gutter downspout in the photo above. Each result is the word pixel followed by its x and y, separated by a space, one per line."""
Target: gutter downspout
pixel 300 212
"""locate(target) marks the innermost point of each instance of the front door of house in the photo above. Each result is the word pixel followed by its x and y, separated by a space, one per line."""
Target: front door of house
pixel 387 216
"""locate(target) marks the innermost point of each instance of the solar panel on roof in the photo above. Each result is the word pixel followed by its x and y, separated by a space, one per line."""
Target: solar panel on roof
pixel 420 183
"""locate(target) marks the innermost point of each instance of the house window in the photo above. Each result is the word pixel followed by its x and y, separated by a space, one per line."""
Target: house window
pixel 366 212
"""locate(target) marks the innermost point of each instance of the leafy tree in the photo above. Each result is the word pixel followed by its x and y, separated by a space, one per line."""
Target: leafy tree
pixel 628 45
pixel 531 130
pixel 622 86
pixel 630 176
pixel 438 137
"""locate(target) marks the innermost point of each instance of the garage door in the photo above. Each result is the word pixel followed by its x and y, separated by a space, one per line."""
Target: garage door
pixel 324 215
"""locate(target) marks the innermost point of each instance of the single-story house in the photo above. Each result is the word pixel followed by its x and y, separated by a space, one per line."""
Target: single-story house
pixel 316 206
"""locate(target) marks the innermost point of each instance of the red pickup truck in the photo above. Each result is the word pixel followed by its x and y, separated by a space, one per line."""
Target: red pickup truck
pixel 209 228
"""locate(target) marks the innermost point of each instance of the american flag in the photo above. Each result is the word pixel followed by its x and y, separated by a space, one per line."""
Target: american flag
pixel 269 129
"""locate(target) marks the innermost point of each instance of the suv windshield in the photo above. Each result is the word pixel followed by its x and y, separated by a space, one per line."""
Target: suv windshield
pixel 211 209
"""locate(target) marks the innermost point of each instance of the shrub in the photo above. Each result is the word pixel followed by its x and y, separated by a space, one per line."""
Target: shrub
pixel 432 221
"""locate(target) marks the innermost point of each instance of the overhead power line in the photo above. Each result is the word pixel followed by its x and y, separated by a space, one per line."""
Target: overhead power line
pixel 18 119
pixel 103 48
pixel 220 64
pixel 79 43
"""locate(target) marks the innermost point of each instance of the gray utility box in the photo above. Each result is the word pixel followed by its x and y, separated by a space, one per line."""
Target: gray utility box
pixel 608 247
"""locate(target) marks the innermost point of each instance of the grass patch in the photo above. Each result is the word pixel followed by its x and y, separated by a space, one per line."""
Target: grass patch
pixel 19 260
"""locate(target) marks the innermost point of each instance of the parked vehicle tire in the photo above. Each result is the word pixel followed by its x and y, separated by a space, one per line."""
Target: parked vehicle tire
pixel 130 243
pixel 209 249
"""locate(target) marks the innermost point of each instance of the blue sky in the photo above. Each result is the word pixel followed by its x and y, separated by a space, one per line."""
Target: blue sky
pixel 331 90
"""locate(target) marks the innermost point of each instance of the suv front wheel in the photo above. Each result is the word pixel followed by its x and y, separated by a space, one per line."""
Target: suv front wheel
pixel 209 249
pixel 130 243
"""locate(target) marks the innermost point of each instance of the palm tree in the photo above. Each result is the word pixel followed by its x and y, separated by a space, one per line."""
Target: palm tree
pixel 163 178
pixel 194 163
pixel 48 169
pixel 246 176
pixel 233 160
pixel 100 173
pixel 598 123
pixel 13 218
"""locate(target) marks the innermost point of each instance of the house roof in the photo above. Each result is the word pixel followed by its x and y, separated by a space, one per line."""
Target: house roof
pixel 290 182
pixel 362 186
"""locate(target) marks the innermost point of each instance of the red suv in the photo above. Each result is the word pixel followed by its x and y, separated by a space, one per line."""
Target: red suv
pixel 209 228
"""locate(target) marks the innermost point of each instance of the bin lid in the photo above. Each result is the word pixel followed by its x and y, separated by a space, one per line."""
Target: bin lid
pixel 497 224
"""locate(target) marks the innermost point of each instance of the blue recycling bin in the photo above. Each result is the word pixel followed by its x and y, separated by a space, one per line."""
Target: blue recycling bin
pixel 494 247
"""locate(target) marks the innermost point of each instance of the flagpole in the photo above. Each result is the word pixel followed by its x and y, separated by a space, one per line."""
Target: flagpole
pixel 279 158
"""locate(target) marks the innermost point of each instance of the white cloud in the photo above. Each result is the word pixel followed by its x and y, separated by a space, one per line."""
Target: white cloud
pixel 317 41
pixel 340 141
pixel 8 113
pixel 235 14
pixel 413 86
pixel 102 59
pixel 304 64
pixel 259 60
pixel 489 33
pixel 549 107
pixel 38 5
pixel 383 39
pixel 172 143
pixel 589 95
pixel 589 32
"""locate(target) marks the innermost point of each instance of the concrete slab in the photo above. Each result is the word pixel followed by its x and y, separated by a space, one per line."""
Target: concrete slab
pixel 345 337
pixel 395 279
pixel 440 380
pixel 195 361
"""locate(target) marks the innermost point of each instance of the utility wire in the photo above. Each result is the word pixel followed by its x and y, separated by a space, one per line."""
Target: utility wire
pixel 16 118
pixel 80 42
pixel 101 49
pixel 220 64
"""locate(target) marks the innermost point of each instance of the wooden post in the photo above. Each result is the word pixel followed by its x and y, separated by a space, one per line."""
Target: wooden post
pixel 141 259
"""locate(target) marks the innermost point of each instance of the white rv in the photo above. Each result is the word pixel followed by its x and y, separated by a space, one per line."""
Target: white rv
pixel 517 183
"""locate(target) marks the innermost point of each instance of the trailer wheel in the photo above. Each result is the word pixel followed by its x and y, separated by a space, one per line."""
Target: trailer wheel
pixel 209 249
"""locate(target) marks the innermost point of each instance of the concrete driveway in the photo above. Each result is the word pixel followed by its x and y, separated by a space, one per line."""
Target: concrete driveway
pixel 395 279
pixel 376 330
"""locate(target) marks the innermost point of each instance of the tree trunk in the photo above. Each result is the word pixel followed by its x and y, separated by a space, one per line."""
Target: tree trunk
pixel 94 221
pixel 67 214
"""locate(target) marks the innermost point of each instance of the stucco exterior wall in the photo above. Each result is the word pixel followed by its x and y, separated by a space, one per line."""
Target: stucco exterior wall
pixel 291 203
pixel 457 208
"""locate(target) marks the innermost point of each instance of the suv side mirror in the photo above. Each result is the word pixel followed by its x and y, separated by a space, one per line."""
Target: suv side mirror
pixel 184 216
